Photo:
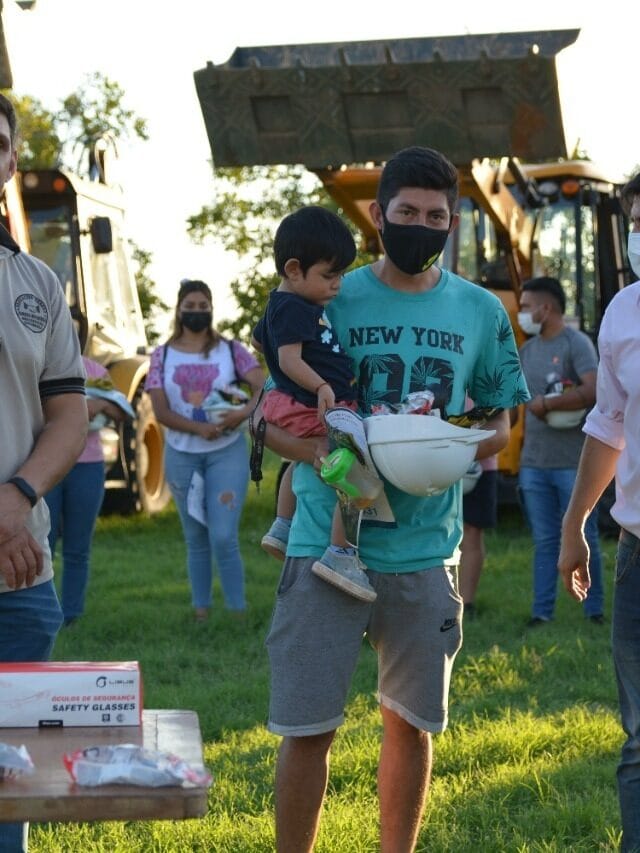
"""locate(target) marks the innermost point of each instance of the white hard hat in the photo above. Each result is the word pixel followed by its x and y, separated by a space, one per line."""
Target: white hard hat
pixel 564 419
pixel 421 454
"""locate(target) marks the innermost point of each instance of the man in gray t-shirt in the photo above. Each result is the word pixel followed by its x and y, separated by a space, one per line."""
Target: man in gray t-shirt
pixel 43 424
pixel 560 365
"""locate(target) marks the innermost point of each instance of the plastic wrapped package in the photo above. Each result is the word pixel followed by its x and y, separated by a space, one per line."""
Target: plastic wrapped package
pixel 417 403
pixel 14 761
pixel 128 764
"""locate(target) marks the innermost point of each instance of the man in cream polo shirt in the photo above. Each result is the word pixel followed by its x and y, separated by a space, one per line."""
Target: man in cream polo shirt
pixel 43 424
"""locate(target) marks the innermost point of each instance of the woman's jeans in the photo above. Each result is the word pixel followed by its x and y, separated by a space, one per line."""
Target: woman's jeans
pixel 226 477
pixel 74 505
pixel 545 493
pixel 626 659
pixel 29 622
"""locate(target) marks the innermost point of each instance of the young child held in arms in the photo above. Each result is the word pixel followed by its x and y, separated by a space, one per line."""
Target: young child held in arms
pixel 312 373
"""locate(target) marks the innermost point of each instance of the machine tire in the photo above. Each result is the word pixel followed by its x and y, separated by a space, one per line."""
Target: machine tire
pixel 142 463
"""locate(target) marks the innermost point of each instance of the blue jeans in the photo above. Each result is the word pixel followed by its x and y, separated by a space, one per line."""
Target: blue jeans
pixel 74 505
pixel 29 622
pixel 226 477
pixel 545 493
pixel 626 659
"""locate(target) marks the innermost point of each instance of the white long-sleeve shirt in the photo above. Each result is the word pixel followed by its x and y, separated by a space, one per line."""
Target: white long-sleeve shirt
pixel 615 418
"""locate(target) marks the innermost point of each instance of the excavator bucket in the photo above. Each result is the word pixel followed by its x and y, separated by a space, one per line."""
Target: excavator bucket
pixel 325 105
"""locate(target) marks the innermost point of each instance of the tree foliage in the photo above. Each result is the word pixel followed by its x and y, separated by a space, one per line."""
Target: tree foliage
pixel 67 137
pixel 244 217
pixel 96 111
pixel 39 143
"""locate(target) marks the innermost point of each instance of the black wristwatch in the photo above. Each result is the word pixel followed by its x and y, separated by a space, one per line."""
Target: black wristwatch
pixel 27 490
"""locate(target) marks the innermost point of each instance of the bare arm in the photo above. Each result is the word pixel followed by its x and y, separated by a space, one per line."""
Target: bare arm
pixel 595 471
pixel 583 396
pixel 289 446
pixel 55 452
pixel 291 363
pixel 59 444
pixel 500 423
pixel 173 420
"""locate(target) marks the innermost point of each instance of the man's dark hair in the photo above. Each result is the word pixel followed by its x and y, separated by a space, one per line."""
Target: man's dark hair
pixel 550 286
pixel 420 167
pixel 313 234
pixel 629 192
pixel 9 112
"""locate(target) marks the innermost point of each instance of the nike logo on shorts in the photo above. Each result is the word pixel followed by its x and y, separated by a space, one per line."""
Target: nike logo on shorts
pixel 448 624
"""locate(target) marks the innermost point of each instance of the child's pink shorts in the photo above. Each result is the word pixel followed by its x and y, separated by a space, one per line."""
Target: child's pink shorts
pixel 302 421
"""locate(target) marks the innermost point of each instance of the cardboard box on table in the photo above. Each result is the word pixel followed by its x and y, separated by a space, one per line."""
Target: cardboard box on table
pixel 70 694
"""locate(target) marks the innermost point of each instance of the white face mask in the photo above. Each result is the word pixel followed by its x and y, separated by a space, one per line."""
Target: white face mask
pixel 525 321
pixel 633 251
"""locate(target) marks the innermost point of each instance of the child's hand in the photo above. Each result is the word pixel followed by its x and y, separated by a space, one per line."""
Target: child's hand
pixel 326 399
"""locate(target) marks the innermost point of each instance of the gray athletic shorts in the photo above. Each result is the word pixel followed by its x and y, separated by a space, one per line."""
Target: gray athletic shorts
pixel 316 635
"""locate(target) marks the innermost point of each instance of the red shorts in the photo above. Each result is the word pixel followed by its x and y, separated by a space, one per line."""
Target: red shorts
pixel 283 411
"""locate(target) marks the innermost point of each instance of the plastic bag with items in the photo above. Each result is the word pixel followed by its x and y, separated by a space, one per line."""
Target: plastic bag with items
pixel 221 400
pixel 128 764
pixel 14 761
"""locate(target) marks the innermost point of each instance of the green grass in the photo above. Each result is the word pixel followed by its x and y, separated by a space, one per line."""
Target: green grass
pixel 527 764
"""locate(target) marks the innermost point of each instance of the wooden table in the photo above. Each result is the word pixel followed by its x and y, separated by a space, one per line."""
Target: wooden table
pixel 49 794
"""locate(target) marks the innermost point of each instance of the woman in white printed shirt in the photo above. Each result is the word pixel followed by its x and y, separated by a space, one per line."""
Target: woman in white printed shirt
pixel 195 367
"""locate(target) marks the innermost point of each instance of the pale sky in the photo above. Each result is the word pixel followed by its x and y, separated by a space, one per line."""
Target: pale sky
pixel 152 49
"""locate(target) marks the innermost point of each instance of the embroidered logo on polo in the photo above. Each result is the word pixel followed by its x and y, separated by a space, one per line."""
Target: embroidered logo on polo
pixel 32 312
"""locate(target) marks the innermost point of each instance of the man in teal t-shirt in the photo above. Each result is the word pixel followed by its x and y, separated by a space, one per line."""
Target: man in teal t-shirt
pixel 408 325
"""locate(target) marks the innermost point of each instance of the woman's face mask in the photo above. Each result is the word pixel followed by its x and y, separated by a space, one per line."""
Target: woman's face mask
pixel 527 324
pixel 633 251
pixel 196 321
pixel 412 248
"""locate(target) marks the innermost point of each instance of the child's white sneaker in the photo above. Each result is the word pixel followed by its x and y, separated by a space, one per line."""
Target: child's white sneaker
pixel 275 539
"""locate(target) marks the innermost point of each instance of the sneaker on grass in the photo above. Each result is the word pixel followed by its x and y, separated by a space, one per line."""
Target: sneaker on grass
pixel 275 539
pixel 346 572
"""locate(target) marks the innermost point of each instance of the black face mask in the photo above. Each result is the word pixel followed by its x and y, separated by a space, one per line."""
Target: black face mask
pixel 196 321
pixel 412 248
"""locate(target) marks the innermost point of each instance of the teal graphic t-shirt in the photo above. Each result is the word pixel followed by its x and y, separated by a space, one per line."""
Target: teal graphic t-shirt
pixel 456 340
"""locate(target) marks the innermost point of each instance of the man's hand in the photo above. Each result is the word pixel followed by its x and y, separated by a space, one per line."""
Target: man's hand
pixel 537 407
pixel 21 560
pixel 573 564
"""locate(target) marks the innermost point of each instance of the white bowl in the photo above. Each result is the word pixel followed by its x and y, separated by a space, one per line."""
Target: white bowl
pixel 421 454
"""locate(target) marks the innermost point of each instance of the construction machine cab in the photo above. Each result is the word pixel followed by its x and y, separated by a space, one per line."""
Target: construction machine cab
pixel 489 102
